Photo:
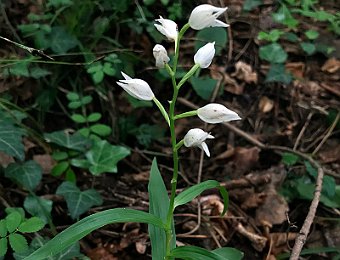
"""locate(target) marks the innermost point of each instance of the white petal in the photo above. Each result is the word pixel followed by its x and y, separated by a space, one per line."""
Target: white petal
pixel 125 76
pixel 205 16
pixel 205 55
pixel 168 28
pixel 216 113
pixel 205 148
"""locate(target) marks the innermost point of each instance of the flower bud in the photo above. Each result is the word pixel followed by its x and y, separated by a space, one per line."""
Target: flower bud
pixel 136 87
pixel 168 28
pixel 205 55
pixel 196 138
pixel 161 56
pixel 204 16
pixel 216 113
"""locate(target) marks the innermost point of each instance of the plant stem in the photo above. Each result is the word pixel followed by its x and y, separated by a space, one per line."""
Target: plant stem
pixel 169 219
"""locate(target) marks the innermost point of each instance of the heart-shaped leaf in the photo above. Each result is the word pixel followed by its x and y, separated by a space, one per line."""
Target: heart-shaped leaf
pixel 104 157
pixel 38 207
pixel 27 174
pixel 11 140
pixel 75 142
pixel 78 201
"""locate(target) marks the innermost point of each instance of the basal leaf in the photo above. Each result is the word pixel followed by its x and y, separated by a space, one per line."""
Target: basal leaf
pixel 104 157
pixel 85 226
pixel 78 201
pixel 71 141
pixel 159 205
pixel 229 253
pixel 27 174
pixel 11 140
pixel 195 253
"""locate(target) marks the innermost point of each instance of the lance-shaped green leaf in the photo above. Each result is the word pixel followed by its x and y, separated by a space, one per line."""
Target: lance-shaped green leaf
pixel 11 140
pixel 78 201
pixel 159 205
pixel 229 253
pixel 85 226
pixel 192 192
pixel 27 174
pixel 104 157
pixel 195 253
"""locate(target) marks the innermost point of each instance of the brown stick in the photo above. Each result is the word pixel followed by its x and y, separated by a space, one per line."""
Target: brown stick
pixel 304 231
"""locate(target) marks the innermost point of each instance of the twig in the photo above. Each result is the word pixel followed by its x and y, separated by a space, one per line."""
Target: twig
pixel 303 233
pixel 329 132
pixel 33 51
pixel 309 117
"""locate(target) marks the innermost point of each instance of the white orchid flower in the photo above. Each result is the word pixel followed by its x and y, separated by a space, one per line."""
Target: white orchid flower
pixel 216 113
pixel 196 138
pixel 136 87
pixel 204 16
pixel 168 28
pixel 205 55
pixel 161 55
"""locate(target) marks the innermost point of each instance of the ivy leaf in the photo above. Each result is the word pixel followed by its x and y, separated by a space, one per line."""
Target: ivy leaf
pixel 27 174
pixel 78 202
pixel 75 142
pixel 274 53
pixel 104 157
pixel 277 73
pixel 38 207
pixel 61 41
pixel 203 86
pixel 11 140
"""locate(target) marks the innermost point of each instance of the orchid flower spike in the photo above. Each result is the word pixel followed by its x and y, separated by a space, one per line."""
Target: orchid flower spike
pixel 205 55
pixel 216 113
pixel 204 16
pixel 161 55
pixel 136 87
pixel 196 138
pixel 168 28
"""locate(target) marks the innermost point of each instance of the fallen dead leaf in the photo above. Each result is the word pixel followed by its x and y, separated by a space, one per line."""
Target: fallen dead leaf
pixel 245 72
pixel 100 253
pixel 5 159
pixel 45 161
pixel 296 68
pixel 245 159
pixel 266 104
pixel 141 246
pixel 332 65
pixel 330 155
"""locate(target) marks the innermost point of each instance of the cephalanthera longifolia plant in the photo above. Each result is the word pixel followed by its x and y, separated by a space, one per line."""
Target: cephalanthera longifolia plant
pixel 160 217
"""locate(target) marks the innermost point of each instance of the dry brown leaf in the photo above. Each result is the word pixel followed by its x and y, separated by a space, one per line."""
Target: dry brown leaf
pixel 245 159
pixel 330 155
pixel 332 65
pixel 244 72
pixel 45 161
pixel 296 68
pixel 100 253
pixel 5 159
pixel 230 84
pixel 266 104
pixel 141 246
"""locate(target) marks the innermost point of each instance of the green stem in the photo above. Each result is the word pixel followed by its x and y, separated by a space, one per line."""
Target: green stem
pixel 169 219
pixel 162 109
pixel 186 114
